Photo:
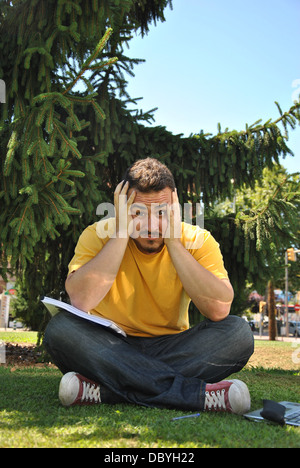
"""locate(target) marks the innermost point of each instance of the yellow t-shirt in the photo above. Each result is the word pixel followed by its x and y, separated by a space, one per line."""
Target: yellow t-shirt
pixel 147 297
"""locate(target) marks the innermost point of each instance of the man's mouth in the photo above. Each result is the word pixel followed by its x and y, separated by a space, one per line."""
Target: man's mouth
pixel 150 235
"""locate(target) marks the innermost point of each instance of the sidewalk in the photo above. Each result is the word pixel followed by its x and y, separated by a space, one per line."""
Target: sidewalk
pixel 265 337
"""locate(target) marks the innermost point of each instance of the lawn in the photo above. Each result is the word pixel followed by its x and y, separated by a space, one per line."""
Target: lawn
pixel 31 415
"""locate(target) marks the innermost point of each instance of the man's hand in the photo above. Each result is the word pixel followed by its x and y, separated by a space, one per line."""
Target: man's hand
pixel 122 208
pixel 173 231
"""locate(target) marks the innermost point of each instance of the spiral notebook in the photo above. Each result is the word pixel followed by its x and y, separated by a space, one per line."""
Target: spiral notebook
pixel 292 413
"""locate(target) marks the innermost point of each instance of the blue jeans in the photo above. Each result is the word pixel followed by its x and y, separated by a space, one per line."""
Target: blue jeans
pixel 164 371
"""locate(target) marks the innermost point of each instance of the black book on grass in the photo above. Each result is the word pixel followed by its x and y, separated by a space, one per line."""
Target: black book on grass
pixel 54 306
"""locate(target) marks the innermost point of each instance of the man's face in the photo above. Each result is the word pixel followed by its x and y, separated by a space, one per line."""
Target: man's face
pixel 150 217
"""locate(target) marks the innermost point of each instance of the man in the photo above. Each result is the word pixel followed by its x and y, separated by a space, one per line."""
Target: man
pixel 141 269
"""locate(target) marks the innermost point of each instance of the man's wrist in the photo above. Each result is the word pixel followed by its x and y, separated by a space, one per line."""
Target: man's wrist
pixel 173 243
pixel 121 234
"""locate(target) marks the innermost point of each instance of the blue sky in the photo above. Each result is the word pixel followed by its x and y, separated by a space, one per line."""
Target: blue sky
pixel 221 61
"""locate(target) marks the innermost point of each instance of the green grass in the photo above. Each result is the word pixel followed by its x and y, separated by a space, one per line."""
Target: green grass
pixel 31 415
pixel 19 337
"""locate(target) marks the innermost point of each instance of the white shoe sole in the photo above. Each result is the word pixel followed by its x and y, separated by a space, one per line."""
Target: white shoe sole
pixel 239 397
pixel 68 389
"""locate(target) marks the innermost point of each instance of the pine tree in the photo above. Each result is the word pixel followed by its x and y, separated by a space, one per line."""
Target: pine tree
pixel 54 149
pixel 65 147
pixel 255 235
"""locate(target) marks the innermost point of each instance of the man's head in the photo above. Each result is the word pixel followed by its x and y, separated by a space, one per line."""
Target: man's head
pixel 149 175
pixel 153 183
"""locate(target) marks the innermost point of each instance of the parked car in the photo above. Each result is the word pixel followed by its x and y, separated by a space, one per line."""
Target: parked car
pixel 294 328
pixel 254 325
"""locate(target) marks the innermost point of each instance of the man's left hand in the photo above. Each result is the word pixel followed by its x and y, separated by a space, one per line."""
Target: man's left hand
pixel 173 231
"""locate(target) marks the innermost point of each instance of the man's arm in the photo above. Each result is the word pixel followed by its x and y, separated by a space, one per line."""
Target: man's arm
pixel 88 285
pixel 211 295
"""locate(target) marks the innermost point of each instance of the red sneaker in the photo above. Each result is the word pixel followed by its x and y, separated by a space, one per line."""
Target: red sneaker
pixel 74 389
pixel 228 395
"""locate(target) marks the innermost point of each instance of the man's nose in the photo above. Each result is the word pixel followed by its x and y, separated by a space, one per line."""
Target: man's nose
pixel 153 223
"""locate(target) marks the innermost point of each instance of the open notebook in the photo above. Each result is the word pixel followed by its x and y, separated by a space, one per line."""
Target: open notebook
pixel 292 413
pixel 54 305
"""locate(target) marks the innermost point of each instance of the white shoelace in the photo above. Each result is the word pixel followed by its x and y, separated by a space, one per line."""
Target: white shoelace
pixel 90 392
pixel 215 400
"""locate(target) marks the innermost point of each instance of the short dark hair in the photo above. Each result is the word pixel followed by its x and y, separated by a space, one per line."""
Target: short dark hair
pixel 149 175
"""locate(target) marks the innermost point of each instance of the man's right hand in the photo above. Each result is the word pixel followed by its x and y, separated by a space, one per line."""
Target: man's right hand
pixel 122 208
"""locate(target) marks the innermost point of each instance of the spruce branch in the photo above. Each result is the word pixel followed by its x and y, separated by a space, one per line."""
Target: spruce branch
pixel 87 64
pixel 275 216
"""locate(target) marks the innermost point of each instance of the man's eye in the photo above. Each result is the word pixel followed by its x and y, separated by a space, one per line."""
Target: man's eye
pixel 139 213
pixel 162 212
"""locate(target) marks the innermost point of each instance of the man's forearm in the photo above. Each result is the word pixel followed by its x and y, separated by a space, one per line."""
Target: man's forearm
pixel 89 284
pixel 211 295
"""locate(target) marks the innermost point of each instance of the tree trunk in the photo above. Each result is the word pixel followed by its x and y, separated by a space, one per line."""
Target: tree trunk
pixel 271 311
